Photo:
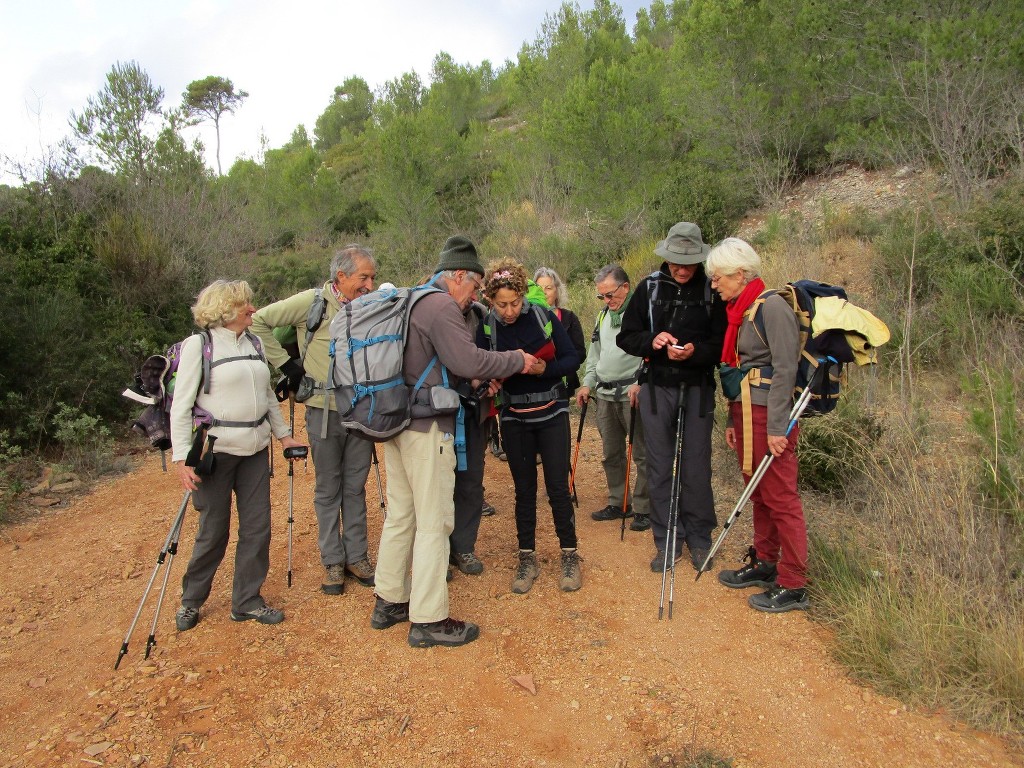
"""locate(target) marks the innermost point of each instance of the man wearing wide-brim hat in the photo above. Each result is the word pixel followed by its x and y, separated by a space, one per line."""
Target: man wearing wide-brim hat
pixel 678 324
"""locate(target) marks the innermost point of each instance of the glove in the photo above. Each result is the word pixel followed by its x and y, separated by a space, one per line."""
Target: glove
pixel 293 373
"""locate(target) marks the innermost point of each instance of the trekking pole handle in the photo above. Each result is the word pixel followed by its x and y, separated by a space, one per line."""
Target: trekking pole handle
pixel 583 417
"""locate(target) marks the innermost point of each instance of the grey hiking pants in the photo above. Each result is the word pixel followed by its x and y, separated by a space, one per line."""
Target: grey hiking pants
pixel 342 463
pixel 696 511
pixel 469 487
pixel 613 424
pixel 249 478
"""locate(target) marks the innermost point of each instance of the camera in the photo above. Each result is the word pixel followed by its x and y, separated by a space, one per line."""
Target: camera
pixel 296 452
pixel 471 397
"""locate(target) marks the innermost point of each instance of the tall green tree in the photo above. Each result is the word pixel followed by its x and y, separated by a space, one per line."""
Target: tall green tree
pixel 210 98
pixel 121 122
pixel 346 116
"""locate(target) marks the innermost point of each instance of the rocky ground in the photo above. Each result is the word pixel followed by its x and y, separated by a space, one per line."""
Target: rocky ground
pixel 591 678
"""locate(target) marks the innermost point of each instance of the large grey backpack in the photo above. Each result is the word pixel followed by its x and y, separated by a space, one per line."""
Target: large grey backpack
pixel 368 338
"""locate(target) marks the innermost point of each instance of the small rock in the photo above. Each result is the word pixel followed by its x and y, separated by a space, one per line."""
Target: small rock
pixel 71 485
pixel 37 682
pixel 43 501
pixel 526 681
pixel 98 749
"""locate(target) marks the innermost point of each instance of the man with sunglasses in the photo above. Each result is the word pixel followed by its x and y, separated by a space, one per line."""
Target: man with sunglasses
pixel 610 380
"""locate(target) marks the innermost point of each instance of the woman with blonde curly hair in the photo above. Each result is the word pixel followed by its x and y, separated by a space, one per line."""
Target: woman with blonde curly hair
pixel 236 391
pixel 534 414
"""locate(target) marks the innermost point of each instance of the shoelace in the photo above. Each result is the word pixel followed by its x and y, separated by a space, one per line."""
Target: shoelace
pixel 569 562
pixel 523 571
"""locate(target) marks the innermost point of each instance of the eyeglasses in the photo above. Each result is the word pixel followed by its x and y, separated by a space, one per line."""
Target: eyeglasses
pixel 610 295
pixel 718 278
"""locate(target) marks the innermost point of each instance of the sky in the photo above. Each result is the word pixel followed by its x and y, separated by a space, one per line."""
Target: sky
pixel 288 56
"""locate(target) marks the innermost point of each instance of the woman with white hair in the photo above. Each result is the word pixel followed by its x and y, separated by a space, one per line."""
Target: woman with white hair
pixel 236 391
pixel 768 351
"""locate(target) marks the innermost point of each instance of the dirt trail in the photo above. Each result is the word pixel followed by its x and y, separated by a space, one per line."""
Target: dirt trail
pixel 615 686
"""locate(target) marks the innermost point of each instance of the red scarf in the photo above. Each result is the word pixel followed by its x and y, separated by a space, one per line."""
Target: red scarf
pixel 735 310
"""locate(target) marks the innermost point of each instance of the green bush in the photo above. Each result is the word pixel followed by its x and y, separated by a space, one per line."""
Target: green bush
pixel 834 451
pixel 88 448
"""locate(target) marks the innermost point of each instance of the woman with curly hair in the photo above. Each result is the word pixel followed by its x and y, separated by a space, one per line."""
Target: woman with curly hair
pixel 534 415
pixel 239 396
pixel 558 299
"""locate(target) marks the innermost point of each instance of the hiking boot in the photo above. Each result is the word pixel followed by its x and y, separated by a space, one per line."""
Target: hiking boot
pixel 448 632
pixel 334 580
pixel 361 571
pixel 756 573
pixel 466 562
pixel 698 556
pixel 572 577
pixel 487 510
pixel 611 512
pixel 526 572
pixel 264 614
pixel 186 618
pixel 779 600
pixel 387 614
pixel 658 563
pixel 640 523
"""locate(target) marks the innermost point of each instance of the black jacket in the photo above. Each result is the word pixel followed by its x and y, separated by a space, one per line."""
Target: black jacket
pixel 691 312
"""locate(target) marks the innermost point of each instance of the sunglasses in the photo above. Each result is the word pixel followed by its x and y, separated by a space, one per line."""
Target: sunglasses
pixel 608 296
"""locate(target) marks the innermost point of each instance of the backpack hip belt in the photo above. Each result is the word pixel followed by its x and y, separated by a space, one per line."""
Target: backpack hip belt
pixel 558 392
pixel 617 387
pixel 240 424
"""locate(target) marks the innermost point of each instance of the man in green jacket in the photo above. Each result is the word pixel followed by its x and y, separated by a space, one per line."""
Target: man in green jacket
pixel 342 462
pixel 609 379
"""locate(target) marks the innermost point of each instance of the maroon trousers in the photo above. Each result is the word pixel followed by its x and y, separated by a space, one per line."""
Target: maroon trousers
pixel 780 532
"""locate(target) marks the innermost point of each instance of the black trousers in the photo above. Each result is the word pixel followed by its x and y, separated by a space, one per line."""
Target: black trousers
pixel 523 440
pixel 469 487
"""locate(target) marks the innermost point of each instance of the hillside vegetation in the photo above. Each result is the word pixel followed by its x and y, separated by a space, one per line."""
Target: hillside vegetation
pixel 583 151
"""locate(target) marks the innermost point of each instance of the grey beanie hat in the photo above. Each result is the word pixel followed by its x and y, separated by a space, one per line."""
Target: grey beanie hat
pixel 459 253
pixel 684 245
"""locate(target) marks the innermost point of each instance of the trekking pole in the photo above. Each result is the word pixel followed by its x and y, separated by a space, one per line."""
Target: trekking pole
pixel 629 459
pixel 296 452
pixel 576 456
pixel 794 416
pixel 673 513
pixel 380 488
pixel 171 552
pixel 172 535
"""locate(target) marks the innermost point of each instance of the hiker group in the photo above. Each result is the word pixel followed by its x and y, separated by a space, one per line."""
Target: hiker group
pixel 426 371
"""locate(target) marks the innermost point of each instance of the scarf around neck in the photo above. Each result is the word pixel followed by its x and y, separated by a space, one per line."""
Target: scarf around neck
pixel 734 311
pixel 615 315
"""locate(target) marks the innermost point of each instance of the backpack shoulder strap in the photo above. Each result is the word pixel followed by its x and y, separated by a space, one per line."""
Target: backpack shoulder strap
pixel 207 342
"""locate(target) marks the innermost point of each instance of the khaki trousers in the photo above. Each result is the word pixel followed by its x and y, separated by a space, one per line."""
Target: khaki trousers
pixel 412 564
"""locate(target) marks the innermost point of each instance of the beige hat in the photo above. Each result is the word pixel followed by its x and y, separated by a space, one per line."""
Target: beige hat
pixel 684 245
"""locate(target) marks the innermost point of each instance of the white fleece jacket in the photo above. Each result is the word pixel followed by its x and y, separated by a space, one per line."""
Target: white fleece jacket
pixel 239 391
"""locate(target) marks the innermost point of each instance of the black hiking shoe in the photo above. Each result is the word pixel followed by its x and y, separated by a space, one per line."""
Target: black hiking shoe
pixel 387 614
pixel 467 562
pixel 264 614
pixel 779 600
pixel 756 573
pixel 611 512
pixel 447 632
pixel 697 557
pixel 658 563
pixel 640 523
pixel 186 618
